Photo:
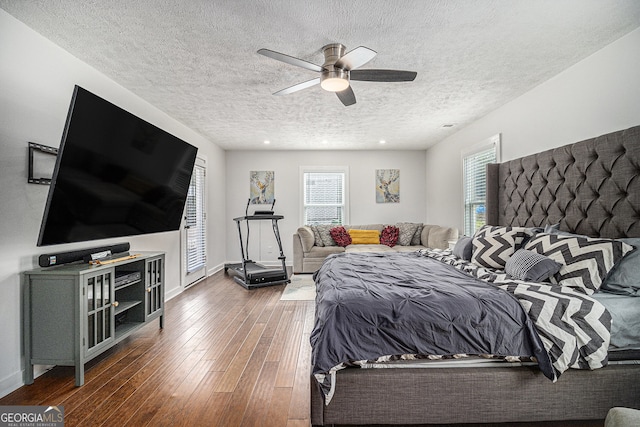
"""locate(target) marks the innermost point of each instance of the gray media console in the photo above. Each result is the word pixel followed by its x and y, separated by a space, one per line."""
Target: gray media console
pixel 74 312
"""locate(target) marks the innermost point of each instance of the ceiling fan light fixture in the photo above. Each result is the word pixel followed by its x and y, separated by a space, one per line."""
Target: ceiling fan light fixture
pixel 338 70
pixel 334 84
pixel 335 80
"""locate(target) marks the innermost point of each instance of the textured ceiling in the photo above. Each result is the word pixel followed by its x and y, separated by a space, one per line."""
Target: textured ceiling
pixel 196 60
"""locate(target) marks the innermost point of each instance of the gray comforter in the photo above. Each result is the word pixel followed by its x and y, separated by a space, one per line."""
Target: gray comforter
pixel 370 305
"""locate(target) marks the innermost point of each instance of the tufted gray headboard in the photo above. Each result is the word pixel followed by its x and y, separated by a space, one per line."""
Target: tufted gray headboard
pixel 591 187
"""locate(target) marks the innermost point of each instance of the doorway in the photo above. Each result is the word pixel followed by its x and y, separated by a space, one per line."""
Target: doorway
pixel 195 229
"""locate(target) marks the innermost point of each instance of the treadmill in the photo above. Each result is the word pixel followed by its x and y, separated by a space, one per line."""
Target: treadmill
pixel 251 274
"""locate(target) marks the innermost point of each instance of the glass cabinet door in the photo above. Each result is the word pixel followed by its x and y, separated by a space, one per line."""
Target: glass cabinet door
pixel 99 296
pixel 153 286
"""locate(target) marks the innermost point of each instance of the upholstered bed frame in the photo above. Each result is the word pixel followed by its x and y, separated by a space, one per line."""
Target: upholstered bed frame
pixel 590 187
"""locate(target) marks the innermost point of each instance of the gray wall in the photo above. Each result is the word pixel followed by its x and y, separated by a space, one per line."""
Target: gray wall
pixel 598 95
pixel 36 84
pixel 362 201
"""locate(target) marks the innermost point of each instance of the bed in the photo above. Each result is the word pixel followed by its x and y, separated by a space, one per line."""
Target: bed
pixel 583 192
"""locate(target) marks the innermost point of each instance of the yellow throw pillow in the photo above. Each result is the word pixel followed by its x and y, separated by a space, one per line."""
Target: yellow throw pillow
pixel 364 237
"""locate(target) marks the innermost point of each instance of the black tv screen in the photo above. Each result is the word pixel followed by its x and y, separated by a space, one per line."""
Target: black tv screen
pixel 115 175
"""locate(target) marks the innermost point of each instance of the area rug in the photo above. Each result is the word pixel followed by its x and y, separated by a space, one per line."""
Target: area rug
pixel 301 288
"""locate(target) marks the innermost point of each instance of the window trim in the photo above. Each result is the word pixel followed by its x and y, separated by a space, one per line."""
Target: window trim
pixel 491 142
pixel 336 169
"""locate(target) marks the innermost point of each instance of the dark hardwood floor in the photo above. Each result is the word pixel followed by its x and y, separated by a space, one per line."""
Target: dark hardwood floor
pixel 226 357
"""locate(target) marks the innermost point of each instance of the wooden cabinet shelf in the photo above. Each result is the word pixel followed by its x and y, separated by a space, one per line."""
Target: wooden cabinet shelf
pixel 125 329
pixel 74 312
pixel 127 285
pixel 125 305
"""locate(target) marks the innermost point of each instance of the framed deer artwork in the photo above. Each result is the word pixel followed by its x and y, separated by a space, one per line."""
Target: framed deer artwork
pixel 261 187
pixel 387 185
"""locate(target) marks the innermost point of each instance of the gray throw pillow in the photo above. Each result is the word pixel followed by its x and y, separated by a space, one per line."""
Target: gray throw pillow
pixel 406 232
pixel 316 236
pixel 463 248
pixel 555 229
pixel 551 228
pixel 417 236
pixel 624 279
pixel 531 266
pixel 325 234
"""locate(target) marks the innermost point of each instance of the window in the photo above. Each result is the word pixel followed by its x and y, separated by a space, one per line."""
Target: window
pixel 195 227
pixel 324 198
pixel 474 165
pixel 196 221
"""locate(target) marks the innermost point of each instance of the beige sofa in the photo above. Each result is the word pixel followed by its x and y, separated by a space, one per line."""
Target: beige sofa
pixel 308 256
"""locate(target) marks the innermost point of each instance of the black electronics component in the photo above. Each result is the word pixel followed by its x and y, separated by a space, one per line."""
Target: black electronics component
pixel 47 260
pixel 124 278
pixel 259 212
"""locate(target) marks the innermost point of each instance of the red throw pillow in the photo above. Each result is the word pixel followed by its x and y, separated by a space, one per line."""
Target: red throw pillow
pixel 389 235
pixel 340 236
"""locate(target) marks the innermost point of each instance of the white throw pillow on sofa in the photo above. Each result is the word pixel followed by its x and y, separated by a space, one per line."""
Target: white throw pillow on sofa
pixel 307 238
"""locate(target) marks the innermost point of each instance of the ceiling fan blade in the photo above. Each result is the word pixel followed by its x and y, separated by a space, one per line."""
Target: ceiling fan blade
pixel 355 58
pixel 372 75
pixel 290 60
pixel 347 96
pixel 298 87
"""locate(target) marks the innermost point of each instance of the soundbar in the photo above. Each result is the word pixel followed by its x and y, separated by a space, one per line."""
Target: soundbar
pixel 47 260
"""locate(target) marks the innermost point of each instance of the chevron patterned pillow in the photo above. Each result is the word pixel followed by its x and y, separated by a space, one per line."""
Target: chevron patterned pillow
pixel 492 251
pixel 520 234
pixel 586 261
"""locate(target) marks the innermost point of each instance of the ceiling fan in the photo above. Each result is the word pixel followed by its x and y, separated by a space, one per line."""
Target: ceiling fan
pixel 338 69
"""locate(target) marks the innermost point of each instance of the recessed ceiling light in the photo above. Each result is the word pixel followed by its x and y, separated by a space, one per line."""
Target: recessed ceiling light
pixel 382 141
pixel 267 142
pixel 324 141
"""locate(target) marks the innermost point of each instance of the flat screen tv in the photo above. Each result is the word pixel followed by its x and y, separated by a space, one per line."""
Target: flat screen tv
pixel 115 175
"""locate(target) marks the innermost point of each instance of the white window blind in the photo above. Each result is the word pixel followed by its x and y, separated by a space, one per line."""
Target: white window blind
pixel 475 186
pixel 195 221
pixel 324 198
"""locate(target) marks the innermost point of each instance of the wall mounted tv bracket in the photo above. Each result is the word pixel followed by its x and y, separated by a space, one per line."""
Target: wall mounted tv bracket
pixel 33 147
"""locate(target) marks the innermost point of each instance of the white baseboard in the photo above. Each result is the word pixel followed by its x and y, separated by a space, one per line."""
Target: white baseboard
pixel 14 381
pixel 215 269
pixel 172 294
pixel 11 383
